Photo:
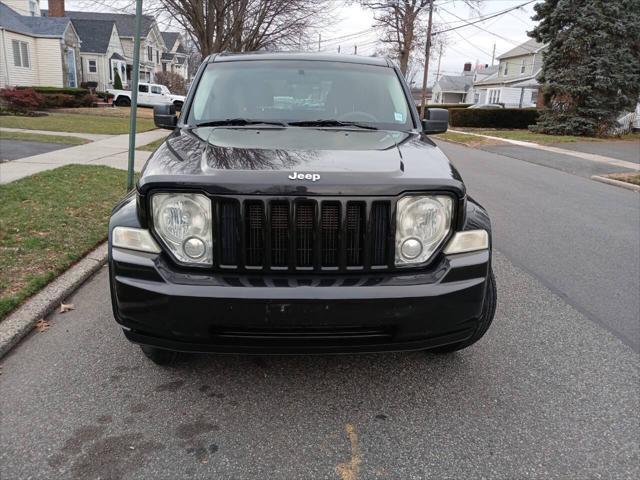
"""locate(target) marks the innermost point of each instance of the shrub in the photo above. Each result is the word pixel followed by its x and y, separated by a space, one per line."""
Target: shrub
pixel 493 118
pixel 173 81
pixel 117 81
pixel 104 95
pixel 58 100
pixel 76 92
pixel 22 100
pixel 446 106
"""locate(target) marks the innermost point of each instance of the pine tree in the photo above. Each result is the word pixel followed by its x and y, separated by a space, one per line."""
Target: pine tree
pixel 117 81
pixel 591 69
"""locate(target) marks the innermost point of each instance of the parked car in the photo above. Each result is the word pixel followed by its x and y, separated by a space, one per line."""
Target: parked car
pixel 149 95
pixel 328 223
pixel 487 105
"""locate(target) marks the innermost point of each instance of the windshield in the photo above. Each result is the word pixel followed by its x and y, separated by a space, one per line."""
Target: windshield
pixel 301 91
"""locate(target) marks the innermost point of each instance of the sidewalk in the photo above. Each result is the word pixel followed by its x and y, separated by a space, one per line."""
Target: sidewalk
pixel 87 136
pixel 111 151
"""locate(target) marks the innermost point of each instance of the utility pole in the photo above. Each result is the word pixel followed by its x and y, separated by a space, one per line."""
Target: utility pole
pixel 427 51
pixel 134 95
pixel 338 48
pixel 355 49
pixel 493 54
pixel 319 40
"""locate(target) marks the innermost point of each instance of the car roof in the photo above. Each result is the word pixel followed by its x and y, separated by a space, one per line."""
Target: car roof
pixel 306 56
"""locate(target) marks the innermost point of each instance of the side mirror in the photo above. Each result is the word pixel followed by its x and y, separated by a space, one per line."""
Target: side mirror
pixel 164 116
pixel 436 121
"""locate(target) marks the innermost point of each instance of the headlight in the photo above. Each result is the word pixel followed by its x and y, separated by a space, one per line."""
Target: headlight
pixel 422 224
pixel 183 222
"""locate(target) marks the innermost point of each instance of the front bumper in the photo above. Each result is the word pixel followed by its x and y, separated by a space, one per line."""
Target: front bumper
pixel 160 306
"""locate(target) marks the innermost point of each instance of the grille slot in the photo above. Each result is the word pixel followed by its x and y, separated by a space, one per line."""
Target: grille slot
pixel 330 234
pixel 279 234
pixel 379 233
pixel 229 237
pixel 329 228
pixel 254 233
pixel 355 234
pixel 304 223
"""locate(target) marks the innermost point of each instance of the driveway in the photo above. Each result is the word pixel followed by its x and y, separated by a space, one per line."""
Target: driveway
pixel 14 149
pixel 551 391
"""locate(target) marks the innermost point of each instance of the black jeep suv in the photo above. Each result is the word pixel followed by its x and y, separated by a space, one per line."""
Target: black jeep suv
pixel 300 207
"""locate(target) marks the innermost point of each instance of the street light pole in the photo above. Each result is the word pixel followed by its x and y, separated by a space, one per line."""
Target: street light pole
pixel 427 51
pixel 134 95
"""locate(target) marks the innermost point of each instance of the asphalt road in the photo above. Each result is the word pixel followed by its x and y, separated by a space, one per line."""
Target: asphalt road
pixel 579 237
pixel 15 149
pixel 551 391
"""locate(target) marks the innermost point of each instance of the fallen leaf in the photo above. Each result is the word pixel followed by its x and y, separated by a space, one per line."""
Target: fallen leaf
pixel 66 307
pixel 42 325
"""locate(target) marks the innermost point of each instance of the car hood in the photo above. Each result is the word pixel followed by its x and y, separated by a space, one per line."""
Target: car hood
pixel 299 161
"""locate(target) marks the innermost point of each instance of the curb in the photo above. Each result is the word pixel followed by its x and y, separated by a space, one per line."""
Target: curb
pixel 616 183
pixel 21 321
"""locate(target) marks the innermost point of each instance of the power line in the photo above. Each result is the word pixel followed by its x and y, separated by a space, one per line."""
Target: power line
pixel 480 19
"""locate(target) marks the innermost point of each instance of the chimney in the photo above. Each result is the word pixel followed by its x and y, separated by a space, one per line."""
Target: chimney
pixel 56 8
pixel 467 66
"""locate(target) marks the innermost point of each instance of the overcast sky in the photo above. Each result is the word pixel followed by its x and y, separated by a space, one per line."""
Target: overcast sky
pixel 470 44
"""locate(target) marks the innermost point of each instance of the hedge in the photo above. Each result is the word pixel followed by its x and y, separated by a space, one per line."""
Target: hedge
pixel 76 92
pixel 446 106
pixel 493 117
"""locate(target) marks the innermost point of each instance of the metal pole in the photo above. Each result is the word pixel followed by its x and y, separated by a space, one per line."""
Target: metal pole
pixel 134 95
pixel 427 51
pixel 319 40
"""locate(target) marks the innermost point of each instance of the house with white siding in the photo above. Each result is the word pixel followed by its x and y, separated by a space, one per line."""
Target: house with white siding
pixel 101 53
pixel 175 59
pixel 151 44
pixel 37 51
pixel 514 84
pixel 453 88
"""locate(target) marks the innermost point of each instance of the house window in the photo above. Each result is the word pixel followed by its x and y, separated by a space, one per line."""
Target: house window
pixel 33 8
pixel 150 54
pixel 534 96
pixel 93 66
pixel 522 66
pixel 476 97
pixel 494 95
pixel 506 68
pixel 157 56
pixel 164 66
pixel 21 54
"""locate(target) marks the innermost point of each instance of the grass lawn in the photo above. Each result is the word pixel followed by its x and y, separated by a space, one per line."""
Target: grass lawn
pixel 633 178
pixel 36 137
pixel 48 222
pixel 470 140
pixel 74 122
pixel 150 147
pixel 143 112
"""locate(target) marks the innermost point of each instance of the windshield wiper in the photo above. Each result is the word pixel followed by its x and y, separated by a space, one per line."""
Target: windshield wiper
pixel 331 123
pixel 239 122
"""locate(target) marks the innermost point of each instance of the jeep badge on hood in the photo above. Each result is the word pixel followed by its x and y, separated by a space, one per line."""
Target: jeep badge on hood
pixel 314 177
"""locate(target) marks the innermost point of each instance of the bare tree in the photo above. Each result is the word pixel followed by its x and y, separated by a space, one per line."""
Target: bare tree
pixel 247 25
pixel 402 24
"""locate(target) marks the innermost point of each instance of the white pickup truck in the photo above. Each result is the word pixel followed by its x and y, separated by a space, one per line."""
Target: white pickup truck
pixel 149 95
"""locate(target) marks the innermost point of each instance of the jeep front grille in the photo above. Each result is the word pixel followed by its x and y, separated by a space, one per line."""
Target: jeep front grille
pixel 288 234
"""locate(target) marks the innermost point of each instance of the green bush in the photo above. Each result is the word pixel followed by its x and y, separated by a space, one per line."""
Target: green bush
pixel 117 81
pixel 493 118
pixel 446 106
pixel 59 100
pixel 76 92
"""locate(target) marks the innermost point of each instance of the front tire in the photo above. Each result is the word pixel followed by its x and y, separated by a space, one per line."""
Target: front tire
pixel 488 312
pixel 123 102
pixel 159 356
